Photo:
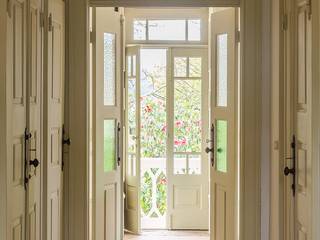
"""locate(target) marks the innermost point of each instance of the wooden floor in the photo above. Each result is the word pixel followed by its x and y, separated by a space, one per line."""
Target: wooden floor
pixel 169 235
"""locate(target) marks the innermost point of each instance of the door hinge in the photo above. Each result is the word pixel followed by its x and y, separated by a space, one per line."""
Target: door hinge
pixel 284 22
pixel 42 19
pixel 92 37
pixel 50 24
pixel 238 36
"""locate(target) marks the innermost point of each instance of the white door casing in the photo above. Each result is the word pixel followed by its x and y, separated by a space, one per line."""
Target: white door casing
pixel 188 172
pixel 132 216
pixel 16 118
pixel 54 74
pixel 223 105
pixel 107 111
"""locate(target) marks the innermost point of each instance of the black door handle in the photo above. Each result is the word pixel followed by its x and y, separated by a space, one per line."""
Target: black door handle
pixel 288 171
pixel 209 150
pixel 34 163
pixel 292 171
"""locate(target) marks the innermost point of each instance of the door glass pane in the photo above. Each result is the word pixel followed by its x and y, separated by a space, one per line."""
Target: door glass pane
pixel 194 164
pixel 139 29
pixel 222 141
pixel 222 70
pixel 109 69
pixel 180 164
pixel 167 30
pixel 194 30
pixel 195 67
pixel 187 116
pixel 180 67
pixel 109 145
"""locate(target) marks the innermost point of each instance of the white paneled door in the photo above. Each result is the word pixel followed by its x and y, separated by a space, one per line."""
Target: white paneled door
pixel 17 121
pixel 300 170
pixel 34 157
pixel 54 118
pixel 107 127
pixel 223 125
pixel 24 131
pixel 132 214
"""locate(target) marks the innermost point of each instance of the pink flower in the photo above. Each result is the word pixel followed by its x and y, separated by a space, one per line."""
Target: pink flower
pixel 184 142
pixel 164 128
pixel 199 122
pixel 176 142
pixel 163 181
pixel 148 108
pixel 178 123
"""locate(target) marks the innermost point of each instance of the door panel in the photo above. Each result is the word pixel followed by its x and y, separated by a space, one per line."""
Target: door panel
pixel 223 125
pixel 33 121
pixel 132 180
pixel 16 112
pixel 107 110
pixel 54 117
pixel 188 175
pixel 302 113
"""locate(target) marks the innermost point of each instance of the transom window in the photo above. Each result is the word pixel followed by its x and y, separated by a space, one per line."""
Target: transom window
pixel 167 30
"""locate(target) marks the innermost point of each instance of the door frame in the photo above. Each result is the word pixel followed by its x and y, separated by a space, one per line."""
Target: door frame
pixel 3 121
pixel 280 121
pixel 250 129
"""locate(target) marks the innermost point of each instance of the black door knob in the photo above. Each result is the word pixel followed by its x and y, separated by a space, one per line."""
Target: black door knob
pixel 35 163
pixel 288 171
pixel 208 150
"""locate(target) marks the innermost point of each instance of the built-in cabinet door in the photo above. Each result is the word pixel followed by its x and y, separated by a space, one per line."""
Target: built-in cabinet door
pixel 222 147
pixel 188 113
pixel 132 216
pixel 33 168
pixel 302 115
pixel 16 119
pixel 107 123
pixel 53 118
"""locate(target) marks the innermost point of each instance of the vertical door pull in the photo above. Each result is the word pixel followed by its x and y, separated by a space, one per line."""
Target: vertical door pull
pixel 292 171
pixel 118 144
pixel 211 150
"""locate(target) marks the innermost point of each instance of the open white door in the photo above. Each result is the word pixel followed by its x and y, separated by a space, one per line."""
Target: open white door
pixel 188 167
pixel 299 168
pixel 223 125
pixel 107 123
pixel 54 118
pixel 132 180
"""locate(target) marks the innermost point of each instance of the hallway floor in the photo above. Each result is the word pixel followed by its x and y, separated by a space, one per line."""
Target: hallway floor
pixel 169 235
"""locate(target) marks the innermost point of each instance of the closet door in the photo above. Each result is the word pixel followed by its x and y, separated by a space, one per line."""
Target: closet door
pixel 16 120
pixel 34 83
pixel 53 118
